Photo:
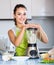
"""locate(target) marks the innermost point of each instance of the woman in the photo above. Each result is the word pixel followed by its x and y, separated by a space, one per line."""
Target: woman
pixel 18 35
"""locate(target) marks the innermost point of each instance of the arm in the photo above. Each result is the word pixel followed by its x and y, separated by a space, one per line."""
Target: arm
pixel 51 52
pixel 16 40
pixel 41 34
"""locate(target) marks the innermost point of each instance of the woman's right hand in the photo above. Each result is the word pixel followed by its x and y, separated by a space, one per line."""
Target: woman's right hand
pixel 25 26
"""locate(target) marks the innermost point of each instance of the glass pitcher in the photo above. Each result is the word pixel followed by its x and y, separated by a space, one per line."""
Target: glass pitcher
pixel 32 39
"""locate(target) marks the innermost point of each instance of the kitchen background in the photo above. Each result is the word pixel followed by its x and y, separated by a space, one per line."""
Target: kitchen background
pixel 39 11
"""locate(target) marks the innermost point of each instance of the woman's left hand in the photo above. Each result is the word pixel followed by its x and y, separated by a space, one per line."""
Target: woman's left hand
pixel 38 26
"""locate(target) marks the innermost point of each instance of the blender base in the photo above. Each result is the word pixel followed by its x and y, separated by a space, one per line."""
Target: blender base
pixel 34 58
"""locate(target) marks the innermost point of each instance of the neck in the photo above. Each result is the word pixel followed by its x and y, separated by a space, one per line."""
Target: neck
pixel 19 25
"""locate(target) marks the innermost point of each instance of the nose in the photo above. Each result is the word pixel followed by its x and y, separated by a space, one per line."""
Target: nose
pixel 22 16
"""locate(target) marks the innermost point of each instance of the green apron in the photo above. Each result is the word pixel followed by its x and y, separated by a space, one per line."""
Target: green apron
pixel 21 49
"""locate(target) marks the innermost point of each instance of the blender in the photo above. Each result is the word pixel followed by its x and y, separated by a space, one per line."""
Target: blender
pixel 32 51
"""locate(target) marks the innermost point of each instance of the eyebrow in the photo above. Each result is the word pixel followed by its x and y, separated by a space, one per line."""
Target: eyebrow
pixel 20 12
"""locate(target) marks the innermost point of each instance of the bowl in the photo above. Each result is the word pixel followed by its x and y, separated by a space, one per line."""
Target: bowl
pixel 44 55
pixel 6 56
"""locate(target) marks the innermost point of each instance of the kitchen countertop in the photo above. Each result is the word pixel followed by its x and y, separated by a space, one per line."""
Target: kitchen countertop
pixel 22 61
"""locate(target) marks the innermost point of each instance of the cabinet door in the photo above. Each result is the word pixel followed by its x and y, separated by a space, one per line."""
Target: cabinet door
pixel 49 7
pixel 27 3
pixel 4 9
pixel 38 7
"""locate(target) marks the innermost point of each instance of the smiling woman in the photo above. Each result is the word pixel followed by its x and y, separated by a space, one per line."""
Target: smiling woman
pixel 18 34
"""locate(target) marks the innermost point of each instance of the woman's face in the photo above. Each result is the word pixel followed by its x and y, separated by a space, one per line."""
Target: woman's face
pixel 20 15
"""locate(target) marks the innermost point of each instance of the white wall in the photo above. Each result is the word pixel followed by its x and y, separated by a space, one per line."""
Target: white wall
pixel 5 26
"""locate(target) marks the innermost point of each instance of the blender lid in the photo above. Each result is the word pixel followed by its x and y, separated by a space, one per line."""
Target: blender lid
pixel 31 28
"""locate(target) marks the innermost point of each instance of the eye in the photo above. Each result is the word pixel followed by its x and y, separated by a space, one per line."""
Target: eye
pixel 24 14
pixel 19 13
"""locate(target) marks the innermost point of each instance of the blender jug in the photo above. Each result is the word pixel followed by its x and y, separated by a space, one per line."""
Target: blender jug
pixel 32 43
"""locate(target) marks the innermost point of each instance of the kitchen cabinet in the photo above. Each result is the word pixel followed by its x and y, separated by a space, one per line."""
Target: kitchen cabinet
pixel 49 7
pixel 4 9
pixel 42 7
pixel 25 2
pixel 38 7
pixel 7 6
